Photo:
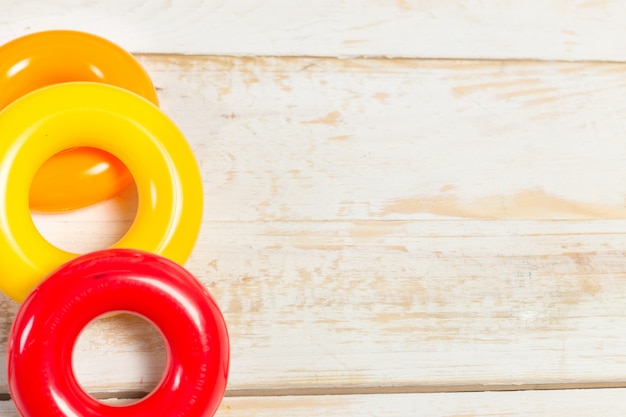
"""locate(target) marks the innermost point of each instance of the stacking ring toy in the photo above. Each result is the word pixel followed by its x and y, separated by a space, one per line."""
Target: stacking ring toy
pixel 79 177
pixel 68 115
pixel 41 379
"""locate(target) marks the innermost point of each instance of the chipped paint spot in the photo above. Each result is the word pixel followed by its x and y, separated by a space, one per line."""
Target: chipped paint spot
pixel 528 204
pixel 340 137
pixel 330 119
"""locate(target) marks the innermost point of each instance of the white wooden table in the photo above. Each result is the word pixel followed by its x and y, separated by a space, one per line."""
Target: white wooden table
pixel 412 207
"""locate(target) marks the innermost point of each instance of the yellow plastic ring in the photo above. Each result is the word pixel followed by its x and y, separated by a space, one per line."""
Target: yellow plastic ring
pixel 82 176
pixel 64 116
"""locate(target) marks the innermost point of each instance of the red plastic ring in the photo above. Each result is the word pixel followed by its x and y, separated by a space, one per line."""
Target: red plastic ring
pixel 41 379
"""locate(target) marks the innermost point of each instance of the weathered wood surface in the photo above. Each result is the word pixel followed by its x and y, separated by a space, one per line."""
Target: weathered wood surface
pixel 575 403
pixel 537 29
pixel 391 231
pixel 398 223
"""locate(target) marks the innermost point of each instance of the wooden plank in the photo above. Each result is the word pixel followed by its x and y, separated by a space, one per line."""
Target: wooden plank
pixel 575 403
pixel 392 223
pixel 552 30
pixel 317 139
pixel 329 304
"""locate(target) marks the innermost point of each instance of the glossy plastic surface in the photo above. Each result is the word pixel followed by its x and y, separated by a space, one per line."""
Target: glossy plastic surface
pixel 82 176
pixel 47 325
pixel 63 116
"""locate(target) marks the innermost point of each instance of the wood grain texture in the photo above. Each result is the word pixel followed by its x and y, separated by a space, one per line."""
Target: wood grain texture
pixel 316 139
pixel 535 29
pixel 575 403
pixel 390 223
pixel 441 236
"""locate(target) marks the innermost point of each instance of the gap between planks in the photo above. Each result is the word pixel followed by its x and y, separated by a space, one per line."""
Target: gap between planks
pixel 375 57
pixel 408 389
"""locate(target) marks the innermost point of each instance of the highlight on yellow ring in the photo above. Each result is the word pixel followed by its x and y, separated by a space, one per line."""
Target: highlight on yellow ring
pixel 82 176
pixel 69 115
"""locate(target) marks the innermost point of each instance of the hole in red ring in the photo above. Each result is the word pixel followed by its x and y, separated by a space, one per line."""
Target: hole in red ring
pixel 119 356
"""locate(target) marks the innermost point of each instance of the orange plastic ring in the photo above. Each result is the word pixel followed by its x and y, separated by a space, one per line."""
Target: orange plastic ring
pixel 81 176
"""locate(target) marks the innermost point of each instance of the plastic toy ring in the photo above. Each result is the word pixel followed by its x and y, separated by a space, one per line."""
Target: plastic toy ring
pixel 44 333
pixel 81 176
pixel 68 115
